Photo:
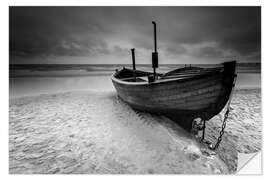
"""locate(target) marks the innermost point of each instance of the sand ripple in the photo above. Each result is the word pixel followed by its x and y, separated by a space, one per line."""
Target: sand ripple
pixel 84 132
pixel 244 127
pixel 87 132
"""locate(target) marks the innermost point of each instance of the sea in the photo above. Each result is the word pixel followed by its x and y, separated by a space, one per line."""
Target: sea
pixel 36 79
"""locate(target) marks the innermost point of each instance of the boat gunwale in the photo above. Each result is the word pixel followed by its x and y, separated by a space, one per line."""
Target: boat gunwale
pixel 142 83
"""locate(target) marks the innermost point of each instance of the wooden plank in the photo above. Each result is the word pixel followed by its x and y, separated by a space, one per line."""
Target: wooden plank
pixel 177 99
pixel 190 94
pixel 170 85
pixel 170 89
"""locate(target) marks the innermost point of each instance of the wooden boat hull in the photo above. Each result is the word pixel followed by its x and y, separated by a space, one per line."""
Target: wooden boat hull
pixel 181 99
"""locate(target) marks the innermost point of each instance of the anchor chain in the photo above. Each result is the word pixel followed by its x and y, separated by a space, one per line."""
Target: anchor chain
pixel 201 125
pixel 226 115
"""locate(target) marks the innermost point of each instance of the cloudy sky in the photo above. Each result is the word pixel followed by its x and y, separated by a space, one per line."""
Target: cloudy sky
pixel 106 34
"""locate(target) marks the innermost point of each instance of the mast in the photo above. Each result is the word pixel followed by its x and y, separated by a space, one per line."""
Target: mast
pixel 133 62
pixel 155 53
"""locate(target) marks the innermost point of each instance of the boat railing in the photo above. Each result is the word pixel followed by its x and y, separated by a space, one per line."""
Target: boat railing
pixel 181 74
pixel 137 79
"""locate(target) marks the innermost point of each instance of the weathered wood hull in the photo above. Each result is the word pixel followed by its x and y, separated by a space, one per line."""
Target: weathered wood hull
pixel 181 99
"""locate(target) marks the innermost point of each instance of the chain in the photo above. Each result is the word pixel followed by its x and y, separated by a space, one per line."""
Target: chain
pixel 222 128
pixel 201 126
pixel 226 115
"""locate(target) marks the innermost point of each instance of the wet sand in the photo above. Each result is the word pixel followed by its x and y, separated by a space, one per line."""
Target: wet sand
pixel 243 131
pixel 95 132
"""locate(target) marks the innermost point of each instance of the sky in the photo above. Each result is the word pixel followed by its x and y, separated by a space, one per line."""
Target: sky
pixel 105 35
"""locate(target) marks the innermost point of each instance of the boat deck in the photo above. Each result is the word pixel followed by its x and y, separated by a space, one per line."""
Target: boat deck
pixel 129 75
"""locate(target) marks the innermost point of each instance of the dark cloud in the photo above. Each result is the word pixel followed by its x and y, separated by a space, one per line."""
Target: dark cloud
pixel 120 51
pixel 209 52
pixel 174 49
pixel 95 32
pixel 52 31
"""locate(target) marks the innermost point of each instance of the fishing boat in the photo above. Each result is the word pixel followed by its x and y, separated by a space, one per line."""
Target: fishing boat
pixel 182 95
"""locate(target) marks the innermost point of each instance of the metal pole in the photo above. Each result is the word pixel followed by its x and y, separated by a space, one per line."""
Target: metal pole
pixel 155 35
pixel 203 130
pixel 133 58
pixel 133 62
pixel 155 54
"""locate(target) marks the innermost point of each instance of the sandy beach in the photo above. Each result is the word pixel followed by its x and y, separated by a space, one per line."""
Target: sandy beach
pixel 67 64
pixel 95 132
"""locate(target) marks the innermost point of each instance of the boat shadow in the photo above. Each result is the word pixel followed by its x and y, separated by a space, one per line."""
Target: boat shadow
pixel 227 151
pixel 151 119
